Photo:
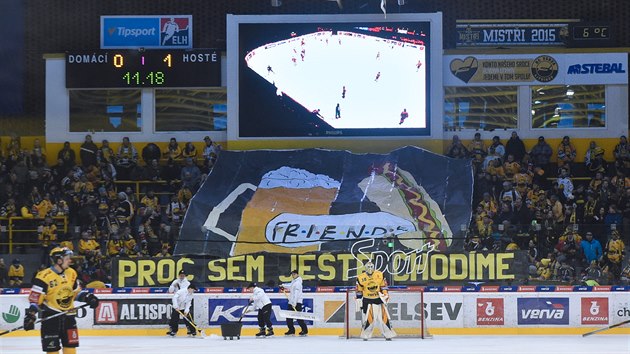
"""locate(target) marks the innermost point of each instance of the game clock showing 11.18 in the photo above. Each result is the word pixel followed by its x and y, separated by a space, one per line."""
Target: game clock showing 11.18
pixel 133 69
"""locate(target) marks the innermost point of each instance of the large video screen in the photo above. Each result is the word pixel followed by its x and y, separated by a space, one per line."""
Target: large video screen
pixel 332 77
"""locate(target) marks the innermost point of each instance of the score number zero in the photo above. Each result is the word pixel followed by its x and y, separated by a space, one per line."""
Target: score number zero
pixel 134 78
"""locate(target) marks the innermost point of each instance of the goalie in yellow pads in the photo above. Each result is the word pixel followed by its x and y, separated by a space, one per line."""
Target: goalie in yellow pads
pixel 372 299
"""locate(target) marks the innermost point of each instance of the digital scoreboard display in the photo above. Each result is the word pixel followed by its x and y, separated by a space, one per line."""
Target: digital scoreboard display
pixel 136 69
pixel 333 79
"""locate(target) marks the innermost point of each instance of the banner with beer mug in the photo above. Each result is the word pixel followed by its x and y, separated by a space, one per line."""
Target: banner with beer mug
pixel 315 200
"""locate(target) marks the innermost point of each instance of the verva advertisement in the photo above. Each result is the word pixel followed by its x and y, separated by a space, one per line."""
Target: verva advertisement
pixel 543 311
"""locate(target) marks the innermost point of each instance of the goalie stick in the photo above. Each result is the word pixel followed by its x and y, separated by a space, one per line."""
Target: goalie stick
pixel 605 328
pixel 45 319
pixel 298 315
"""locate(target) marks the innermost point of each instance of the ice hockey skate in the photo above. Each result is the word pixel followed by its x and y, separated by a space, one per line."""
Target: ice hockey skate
pixel 261 333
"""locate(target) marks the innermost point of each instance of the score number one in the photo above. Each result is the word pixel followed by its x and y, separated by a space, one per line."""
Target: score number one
pixel 167 60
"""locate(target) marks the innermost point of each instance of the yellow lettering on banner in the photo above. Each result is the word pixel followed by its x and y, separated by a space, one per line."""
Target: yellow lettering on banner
pixel 345 261
pixel 326 269
pixel 216 270
pixel 256 264
pixel 303 267
pixel 127 269
pixel 462 261
pixel 503 265
pixel 442 268
pixel 233 269
pixel 484 262
pixel 146 268
pixel 472 268
pixel 166 271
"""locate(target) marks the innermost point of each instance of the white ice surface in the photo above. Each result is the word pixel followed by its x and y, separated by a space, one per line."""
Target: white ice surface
pixel 602 344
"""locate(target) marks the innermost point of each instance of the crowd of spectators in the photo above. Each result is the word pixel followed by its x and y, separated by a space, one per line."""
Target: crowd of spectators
pixel 568 216
pixel 106 216
pixel 572 219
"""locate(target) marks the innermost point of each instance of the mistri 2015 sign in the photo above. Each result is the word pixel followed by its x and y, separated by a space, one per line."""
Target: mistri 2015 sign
pixel 488 33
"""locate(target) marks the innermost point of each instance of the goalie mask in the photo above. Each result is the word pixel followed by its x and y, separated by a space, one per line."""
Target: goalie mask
pixel 369 268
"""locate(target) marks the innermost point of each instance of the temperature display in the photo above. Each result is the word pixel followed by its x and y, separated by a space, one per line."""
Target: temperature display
pixel 590 35
pixel 156 68
pixel 591 32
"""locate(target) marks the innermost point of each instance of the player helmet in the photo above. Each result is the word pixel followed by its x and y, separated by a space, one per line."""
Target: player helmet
pixel 58 253
pixel 369 267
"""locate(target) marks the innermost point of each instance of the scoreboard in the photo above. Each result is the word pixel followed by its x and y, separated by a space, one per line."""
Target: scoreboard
pixel 138 68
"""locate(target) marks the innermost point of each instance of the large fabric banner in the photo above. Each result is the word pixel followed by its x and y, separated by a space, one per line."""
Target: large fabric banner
pixel 303 201
pixel 324 269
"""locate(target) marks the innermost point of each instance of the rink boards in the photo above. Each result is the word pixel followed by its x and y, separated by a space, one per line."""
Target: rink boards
pixel 447 313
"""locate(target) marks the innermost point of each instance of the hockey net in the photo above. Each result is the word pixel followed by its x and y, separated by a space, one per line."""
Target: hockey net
pixel 406 313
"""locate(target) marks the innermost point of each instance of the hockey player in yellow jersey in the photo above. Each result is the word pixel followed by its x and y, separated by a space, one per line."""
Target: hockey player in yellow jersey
pixel 372 299
pixel 55 290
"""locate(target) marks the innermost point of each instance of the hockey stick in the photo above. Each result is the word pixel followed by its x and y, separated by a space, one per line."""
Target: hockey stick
pixel 245 310
pixel 605 328
pixel 202 333
pixel 299 315
pixel 46 319
pixel 295 314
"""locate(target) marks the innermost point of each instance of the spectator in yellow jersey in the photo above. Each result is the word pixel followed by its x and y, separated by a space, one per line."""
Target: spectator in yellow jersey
pixel 16 273
pixel 189 151
pixel 173 151
pixel 45 206
pixel 89 248
pixel 115 246
pixel 566 153
pixel 47 237
pixel 126 159
pixel 150 200
pixel 615 252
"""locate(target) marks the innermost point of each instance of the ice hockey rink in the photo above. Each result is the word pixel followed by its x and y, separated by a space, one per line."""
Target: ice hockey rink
pixel 601 343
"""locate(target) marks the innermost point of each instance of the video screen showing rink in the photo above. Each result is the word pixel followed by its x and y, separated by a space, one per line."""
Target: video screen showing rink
pixel 331 79
pixel 609 344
